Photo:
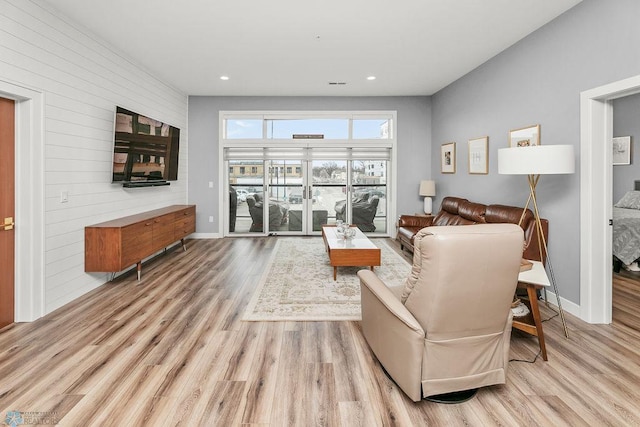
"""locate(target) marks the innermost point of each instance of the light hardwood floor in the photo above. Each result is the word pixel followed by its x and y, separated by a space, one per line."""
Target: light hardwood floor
pixel 626 299
pixel 173 350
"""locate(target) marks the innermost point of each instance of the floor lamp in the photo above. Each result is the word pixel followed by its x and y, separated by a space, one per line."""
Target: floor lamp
pixel 533 162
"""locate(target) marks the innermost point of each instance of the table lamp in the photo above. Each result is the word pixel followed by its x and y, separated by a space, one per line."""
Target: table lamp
pixel 428 190
pixel 535 161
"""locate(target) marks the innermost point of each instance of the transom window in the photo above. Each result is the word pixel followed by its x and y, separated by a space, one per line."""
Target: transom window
pixel 378 126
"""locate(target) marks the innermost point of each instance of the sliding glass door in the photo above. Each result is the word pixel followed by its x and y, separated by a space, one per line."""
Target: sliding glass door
pixel 300 196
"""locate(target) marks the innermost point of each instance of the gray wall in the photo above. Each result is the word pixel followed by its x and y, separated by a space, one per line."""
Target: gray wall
pixel 626 122
pixel 538 81
pixel 414 142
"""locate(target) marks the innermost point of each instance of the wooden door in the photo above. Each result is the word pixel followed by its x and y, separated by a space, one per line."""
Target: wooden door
pixel 7 210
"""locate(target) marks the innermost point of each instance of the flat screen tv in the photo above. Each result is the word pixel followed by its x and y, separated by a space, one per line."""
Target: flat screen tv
pixel 145 150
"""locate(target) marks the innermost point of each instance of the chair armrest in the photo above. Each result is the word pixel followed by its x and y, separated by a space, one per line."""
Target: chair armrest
pixel 415 221
pixel 394 335
pixel 388 299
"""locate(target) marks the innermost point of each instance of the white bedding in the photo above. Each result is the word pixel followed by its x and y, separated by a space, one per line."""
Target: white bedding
pixel 626 234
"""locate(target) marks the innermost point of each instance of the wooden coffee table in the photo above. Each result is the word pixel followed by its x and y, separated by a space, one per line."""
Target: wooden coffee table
pixel 354 252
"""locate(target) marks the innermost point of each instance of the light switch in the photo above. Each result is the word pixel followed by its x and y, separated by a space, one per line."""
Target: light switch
pixel 210 184
pixel 64 196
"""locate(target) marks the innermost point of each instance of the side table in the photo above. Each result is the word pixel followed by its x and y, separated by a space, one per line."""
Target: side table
pixel 532 280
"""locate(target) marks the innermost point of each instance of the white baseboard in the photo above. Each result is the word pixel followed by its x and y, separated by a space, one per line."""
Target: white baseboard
pixel 568 306
pixel 205 236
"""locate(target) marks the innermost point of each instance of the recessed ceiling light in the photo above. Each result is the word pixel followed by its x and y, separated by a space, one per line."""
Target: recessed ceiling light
pixel 371 78
pixel 224 77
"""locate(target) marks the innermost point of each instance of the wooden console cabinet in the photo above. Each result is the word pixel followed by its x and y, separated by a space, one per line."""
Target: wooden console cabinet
pixel 115 245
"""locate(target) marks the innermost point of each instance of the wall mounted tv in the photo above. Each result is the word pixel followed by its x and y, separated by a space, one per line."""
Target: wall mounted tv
pixel 145 150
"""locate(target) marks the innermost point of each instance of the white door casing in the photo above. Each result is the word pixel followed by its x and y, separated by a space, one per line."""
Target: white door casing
pixel 596 180
pixel 29 190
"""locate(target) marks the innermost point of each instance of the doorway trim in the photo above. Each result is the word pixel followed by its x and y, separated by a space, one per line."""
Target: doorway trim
pixel 596 180
pixel 29 209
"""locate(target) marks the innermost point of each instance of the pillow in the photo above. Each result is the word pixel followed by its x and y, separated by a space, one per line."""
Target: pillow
pixel 631 200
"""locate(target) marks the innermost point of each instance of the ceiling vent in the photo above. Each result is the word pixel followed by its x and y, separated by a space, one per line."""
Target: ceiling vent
pixel 337 83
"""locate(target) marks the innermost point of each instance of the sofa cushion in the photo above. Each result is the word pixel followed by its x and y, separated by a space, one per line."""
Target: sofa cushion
pixel 450 204
pixel 408 232
pixel 510 214
pixel 446 218
pixel 473 212
pixel 456 211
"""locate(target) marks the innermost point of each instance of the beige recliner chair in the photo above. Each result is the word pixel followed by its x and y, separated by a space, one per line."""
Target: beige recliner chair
pixel 447 330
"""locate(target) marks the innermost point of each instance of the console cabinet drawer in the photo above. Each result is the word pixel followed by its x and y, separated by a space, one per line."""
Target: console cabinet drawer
pixel 115 245
pixel 185 223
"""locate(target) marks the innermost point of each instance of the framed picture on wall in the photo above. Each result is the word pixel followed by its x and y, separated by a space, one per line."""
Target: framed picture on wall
pixel 478 155
pixel 525 137
pixel 448 158
pixel 621 150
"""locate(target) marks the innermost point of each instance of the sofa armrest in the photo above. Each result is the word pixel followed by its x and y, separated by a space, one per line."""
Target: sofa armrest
pixel 415 221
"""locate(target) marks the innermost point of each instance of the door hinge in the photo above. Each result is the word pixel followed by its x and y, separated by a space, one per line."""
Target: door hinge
pixel 8 224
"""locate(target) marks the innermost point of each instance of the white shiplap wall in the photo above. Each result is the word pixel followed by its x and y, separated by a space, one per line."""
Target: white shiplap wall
pixel 82 79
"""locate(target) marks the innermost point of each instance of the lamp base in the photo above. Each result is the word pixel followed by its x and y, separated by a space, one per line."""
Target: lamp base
pixel 428 205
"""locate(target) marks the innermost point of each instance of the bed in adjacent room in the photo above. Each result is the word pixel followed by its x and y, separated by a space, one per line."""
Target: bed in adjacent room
pixel 626 230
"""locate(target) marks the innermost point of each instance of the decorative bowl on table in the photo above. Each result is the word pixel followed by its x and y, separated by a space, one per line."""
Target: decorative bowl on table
pixel 349 232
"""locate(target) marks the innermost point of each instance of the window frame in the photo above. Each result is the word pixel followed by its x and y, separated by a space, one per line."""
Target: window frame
pixel 357 145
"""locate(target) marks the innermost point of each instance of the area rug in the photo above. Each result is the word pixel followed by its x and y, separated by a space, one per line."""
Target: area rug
pixel 298 283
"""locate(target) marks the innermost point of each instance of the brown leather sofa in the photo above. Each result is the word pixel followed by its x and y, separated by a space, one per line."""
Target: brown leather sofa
pixel 458 211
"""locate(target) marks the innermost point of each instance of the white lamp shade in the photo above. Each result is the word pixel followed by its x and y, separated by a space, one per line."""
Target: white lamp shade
pixel 536 160
pixel 428 188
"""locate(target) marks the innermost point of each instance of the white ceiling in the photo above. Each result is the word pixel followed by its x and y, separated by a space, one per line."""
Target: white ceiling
pixel 296 47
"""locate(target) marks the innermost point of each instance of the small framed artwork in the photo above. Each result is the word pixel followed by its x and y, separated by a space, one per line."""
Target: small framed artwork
pixel 525 137
pixel 621 150
pixel 448 158
pixel 478 155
